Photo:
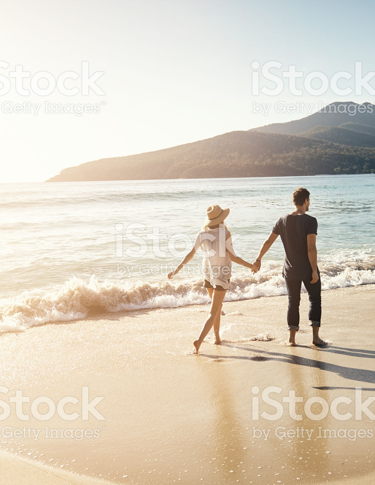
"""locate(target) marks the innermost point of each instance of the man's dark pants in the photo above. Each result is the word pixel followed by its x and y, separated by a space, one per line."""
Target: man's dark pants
pixel 294 294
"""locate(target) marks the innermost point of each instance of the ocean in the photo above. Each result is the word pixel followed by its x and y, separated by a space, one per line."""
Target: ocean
pixel 70 250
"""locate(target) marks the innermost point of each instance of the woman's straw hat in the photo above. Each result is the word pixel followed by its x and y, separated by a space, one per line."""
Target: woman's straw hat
pixel 216 215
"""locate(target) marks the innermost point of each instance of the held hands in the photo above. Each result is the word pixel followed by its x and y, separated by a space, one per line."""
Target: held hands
pixel 254 268
pixel 257 265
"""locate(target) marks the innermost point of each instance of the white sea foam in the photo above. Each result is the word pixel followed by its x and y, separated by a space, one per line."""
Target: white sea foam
pixel 77 298
pixel 262 337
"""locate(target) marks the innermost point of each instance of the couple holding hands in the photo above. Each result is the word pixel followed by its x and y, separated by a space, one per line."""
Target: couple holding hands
pixel 298 233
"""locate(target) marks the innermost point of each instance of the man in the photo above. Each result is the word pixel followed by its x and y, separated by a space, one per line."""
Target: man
pixel 298 233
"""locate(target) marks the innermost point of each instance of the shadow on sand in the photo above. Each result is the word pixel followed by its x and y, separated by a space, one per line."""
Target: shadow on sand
pixel 349 373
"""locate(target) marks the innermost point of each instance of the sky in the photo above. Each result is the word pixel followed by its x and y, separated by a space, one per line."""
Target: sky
pixel 164 73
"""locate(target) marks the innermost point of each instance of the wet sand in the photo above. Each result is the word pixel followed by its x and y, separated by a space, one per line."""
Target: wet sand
pixel 171 416
pixel 20 471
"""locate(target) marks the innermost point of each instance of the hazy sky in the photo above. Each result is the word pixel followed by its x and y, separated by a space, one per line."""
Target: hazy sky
pixel 175 71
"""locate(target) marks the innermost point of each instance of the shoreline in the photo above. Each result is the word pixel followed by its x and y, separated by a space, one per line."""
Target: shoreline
pixel 49 181
pixel 78 299
pixel 162 405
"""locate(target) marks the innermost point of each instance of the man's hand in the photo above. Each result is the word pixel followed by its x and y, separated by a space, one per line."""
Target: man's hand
pixel 313 256
pixel 258 265
pixel 315 277
pixel 170 275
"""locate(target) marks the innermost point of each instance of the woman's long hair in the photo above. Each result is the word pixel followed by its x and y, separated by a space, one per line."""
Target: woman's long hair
pixel 206 226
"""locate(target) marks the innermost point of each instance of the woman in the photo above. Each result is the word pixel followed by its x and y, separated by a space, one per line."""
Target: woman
pixel 216 243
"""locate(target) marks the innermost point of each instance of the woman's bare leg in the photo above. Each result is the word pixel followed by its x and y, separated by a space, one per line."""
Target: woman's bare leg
pixel 217 320
pixel 216 304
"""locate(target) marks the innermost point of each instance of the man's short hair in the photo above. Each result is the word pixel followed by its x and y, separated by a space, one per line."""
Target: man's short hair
pixel 300 195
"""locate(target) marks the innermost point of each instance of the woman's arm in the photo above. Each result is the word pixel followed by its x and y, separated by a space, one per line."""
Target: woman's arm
pixel 187 258
pixel 237 259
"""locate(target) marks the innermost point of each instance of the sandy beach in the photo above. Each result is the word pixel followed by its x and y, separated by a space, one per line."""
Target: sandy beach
pixel 163 164
pixel 170 416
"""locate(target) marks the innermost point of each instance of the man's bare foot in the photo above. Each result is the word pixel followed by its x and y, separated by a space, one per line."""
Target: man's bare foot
pixel 196 344
pixel 217 341
pixel 318 342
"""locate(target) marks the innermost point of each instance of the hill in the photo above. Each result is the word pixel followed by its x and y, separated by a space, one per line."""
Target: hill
pixel 235 154
pixel 334 114
pixel 358 127
pixel 341 135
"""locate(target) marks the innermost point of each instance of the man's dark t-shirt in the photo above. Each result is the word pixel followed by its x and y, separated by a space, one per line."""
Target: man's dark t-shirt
pixel 293 231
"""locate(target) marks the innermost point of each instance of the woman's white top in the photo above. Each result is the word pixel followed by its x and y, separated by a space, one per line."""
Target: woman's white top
pixel 217 265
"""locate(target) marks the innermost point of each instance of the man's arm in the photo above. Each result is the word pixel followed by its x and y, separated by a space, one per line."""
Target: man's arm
pixel 313 256
pixel 266 246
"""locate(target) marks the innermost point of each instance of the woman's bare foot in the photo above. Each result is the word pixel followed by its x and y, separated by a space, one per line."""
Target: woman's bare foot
pixel 217 341
pixel 196 344
pixel 289 343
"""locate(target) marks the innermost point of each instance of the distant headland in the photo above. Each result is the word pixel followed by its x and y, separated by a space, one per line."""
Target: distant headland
pixel 339 139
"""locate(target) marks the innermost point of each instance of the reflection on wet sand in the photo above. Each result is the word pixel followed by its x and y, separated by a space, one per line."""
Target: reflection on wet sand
pixel 298 446
pixel 227 439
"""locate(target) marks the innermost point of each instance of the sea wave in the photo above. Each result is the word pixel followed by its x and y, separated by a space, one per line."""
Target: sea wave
pixel 78 299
